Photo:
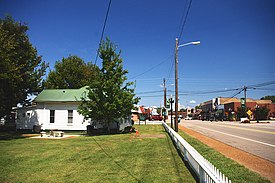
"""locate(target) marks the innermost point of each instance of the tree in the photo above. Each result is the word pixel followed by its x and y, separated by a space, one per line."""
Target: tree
pixel 241 112
pixel 71 72
pixel 261 113
pixel 109 97
pixel 21 69
pixel 272 98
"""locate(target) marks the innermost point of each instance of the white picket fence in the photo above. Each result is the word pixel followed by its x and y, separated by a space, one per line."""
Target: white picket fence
pixel 203 168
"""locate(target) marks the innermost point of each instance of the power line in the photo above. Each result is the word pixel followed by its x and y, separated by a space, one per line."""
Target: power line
pixel 102 33
pixel 232 96
pixel 238 91
pixel 266 89
pixel 179 37
pixel 182 17
pixel 150 69
pixel 207 92
pixel 157 91
pixel 251 87
pixel 152 96
pixel 261 85
pixel 149 79
pixel 172 66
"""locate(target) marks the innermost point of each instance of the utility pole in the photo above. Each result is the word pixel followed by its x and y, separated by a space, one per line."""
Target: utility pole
pixel 164 86
pixel 171 104
pixel 244 89
pixel 176 78
pixel 176 85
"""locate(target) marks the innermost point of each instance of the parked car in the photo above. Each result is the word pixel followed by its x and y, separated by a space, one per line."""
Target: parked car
pixel 156 117
pixel 188 118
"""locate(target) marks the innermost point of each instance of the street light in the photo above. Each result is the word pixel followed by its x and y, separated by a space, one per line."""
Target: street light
pixel 176 78
pixel 193 43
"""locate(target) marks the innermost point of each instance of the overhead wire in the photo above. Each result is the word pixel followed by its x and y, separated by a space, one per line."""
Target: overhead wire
pixel 261 84
pixel 157 91
pixel 170 71
pixel 152 96
pixel 266 89
pixel 238 90
pixel 151 68
pixel 103 30
pixel 181 28
pixel 182 17
pixel 185 19
pixel 207 92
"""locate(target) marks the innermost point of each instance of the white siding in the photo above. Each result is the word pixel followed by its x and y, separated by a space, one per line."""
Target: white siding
pixel 40 115
pixel 61 117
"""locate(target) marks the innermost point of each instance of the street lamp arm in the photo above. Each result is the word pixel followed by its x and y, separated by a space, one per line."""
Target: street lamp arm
pixel 193 43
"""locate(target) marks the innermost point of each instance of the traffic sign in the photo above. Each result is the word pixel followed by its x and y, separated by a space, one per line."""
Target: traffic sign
pixel 249 112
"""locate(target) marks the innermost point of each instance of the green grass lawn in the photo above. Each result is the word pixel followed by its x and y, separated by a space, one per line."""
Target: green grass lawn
pixel 234 171
pixel 107 158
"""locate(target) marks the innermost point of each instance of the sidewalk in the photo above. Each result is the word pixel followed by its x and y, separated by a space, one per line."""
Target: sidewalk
pixel 264 167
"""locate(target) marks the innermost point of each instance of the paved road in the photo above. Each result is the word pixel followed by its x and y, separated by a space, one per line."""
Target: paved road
pixel 257 139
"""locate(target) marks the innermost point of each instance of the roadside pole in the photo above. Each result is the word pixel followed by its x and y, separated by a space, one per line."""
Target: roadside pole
pixel 176 86
pixel 164 100
pixel 245 99
pixel 171 104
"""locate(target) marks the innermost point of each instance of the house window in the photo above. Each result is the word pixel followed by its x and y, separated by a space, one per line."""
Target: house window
pixel 70 116
pixel 52 112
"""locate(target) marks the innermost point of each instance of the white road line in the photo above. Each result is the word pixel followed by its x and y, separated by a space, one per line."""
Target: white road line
pixel 239 137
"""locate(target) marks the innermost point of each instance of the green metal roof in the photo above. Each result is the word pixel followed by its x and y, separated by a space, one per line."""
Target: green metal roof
pixel 61 95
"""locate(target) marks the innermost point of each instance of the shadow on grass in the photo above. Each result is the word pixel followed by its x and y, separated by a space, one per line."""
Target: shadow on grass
pixel 193 173
pixel 175 163
pixel 12 135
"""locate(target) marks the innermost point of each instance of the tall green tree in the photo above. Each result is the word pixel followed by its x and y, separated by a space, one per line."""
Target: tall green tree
pixel 110 97
pixel 21 68
pixel 71 72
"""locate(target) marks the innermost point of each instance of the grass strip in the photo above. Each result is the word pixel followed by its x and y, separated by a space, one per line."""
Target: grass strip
pixel 233 170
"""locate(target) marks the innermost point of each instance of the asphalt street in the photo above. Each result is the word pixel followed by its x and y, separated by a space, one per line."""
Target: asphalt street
pixel 254 138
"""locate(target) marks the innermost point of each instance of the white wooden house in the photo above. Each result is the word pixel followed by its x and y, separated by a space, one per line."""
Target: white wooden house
pixel 57 109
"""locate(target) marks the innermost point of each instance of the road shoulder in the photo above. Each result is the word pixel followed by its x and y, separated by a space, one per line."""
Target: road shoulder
pixel 252 162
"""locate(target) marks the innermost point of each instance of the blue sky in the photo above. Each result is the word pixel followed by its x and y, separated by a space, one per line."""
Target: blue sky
pixel 237 41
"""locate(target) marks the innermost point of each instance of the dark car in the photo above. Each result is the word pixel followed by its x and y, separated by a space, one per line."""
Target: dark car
pixel 156 117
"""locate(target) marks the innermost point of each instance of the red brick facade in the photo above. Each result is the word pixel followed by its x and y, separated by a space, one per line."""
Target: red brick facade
pixel 233 106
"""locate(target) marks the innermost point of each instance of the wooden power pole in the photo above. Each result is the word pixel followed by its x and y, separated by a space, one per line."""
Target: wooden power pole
pixel 176 85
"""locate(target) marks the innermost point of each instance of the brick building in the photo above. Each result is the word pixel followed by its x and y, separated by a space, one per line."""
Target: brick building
pixel 228 105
